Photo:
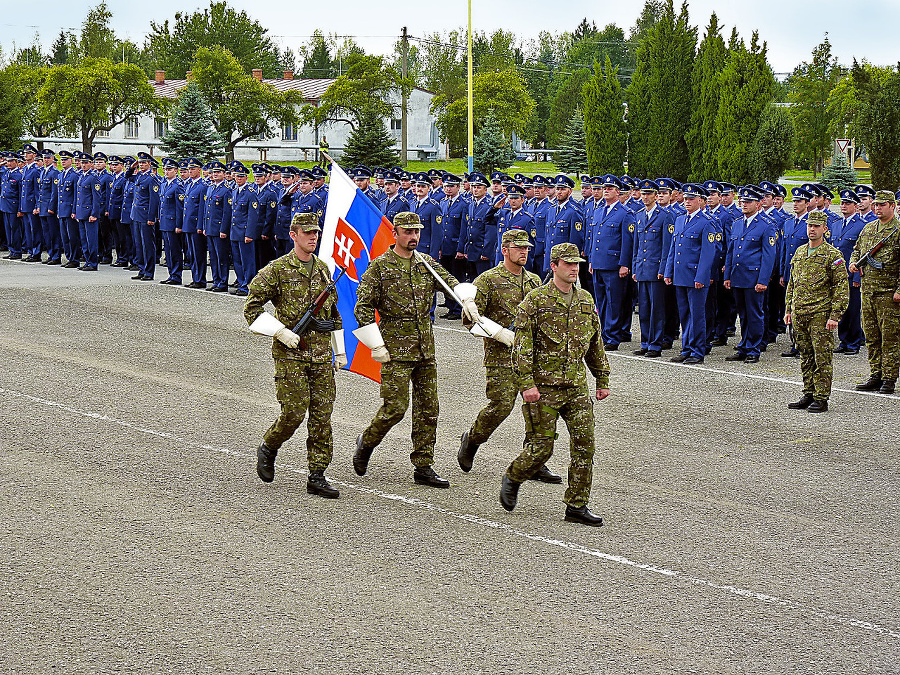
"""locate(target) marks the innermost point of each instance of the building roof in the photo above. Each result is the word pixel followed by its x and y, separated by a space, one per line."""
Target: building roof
pixel 310 89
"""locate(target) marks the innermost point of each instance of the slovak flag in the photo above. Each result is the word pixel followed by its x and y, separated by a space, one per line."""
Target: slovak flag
pixel 355 233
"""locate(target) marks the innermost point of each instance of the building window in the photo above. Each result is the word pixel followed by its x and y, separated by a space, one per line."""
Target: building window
pixel 160 128
pixel 396 125
pixel 103 133
pixel 131 128
pixel 288 132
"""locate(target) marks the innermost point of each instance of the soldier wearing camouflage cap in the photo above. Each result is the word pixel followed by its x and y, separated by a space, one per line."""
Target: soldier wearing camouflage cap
pixel 499 292
pixel 304 376
pixel 557 332
pixel 399 286
pixel 880 293
pixel 815 300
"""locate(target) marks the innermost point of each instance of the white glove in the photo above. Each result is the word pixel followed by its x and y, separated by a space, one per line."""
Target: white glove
pixel 380 354
pixel 287 337
pixel 470 309
pixel 340 360
pixel 506 336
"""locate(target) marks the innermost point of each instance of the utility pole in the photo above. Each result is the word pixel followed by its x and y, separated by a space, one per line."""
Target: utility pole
pixel 403 99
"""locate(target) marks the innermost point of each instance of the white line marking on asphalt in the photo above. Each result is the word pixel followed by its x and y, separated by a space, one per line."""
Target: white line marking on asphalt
pixel 486 522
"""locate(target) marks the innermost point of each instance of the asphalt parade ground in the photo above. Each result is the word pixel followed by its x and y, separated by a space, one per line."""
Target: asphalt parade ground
pixel 739 536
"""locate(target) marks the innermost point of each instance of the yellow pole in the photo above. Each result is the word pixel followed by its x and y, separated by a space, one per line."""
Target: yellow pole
pixel 471 142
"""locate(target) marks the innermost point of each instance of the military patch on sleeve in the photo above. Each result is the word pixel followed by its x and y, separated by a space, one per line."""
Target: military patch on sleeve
pixel 97 187
pixel 838 263
pixel 578 226
pixel 771 241
pixel 712 237
pixel 671 229
pixel 631 228
pixel 718 236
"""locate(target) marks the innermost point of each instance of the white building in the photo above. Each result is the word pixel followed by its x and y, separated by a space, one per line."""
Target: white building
pixel 289 143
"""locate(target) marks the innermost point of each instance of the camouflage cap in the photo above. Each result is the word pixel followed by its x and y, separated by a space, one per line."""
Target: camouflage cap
pixel 818 218
pixel 884 197
pixel 516 237
pixel 408 220
pixel 305 222
pixel 567 252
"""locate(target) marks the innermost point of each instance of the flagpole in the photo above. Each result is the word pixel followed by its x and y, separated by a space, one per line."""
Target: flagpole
pixel 469 92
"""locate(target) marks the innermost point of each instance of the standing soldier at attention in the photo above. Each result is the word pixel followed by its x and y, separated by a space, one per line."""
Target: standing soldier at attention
pixel 880 293
pixel 304 377
pixel 557 331
pixel 499 292
pixel 400 288
pixel 816 297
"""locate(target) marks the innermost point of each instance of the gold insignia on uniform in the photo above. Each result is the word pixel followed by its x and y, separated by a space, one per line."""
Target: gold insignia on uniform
pixel 229 200
pixel 631 228
pixel 712 237
pixel 204 197
pixel 56 182
pixel 272 204
pixel 718 236
pixel 438 220
pixel 97 187
pixel 320 213
pixel 534 234
pixel 255 205
pixel 771 241
pixel 671 229
pixel 155 188
pixel 828 234
pixel 181 197
pixel 578 226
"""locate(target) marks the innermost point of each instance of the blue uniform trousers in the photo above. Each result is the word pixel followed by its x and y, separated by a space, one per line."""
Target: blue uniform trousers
pixel 70 234
pixel 89 233
pixel 137 249
pixel 219 250
pixel 850 331
pixel 752 315
pixel 609 293
pixel 243 256
pixel 146 246
pixel 673 320
pixel 692 313
pixel 34 239
pixel 50 233
pixel 198 257
pixel 652 313
pixel 13 225
pixel 283 246
pixel 174 255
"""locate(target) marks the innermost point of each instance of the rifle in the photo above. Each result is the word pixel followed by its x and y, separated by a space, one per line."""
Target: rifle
pixel 868 257
pixel 310 320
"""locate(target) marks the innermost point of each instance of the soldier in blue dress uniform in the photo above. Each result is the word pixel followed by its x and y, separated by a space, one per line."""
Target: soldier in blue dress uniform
pixel 795 235
pixel 216 226
pixel 48 186
pixel 844 236
pixel 539 234
pixel 478 236
pixel 104 235
pixel 171 219
pixel 31 176
pixel 652 239
pixel 88 208
pixel 193 218
pixel 429 212
pixel 9 206
pixel 565 221
pixel 454 209
pixel 774 302
pixel 513 217
pixel 134 235
pixel 65 208
pixel 244 230
pixel 144 214
pixel 866 196
pixel 120 233
pixel 392 202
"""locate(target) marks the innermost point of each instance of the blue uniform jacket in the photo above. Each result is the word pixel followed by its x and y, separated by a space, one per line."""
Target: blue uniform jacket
pixel 564 224
pixel 65 192
pixel 48 191
pixel 539 234
pixel 794 237
pixel 692 250
pixel 452 218
pixel 268 209
pixel 28 196
pixel 432 233
pixel 88 203
pixel 127 203
pixel 283 216
pixel 171 206
pixel 116 196
pixel 844 239
pixel 145 207
pixel 520 220
pixel 611 237
pixel 397 205
pixel 218 210
pixel 652 239
pixel 479 230
pixel 244 213
pixel 104 180
pixel 751 252
pixel 194 205
pixel 12 189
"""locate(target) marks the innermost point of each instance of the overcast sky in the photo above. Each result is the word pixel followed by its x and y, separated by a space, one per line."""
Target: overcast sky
pixel 866 29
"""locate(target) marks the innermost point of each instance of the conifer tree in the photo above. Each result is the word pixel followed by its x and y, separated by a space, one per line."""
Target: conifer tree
pixel 192 133
pixel 604 122
pixel 773 145
pixel 747 87
pixel 839 175
pixel 572 156
pixel 370 143
pixel 492 151
pixel 701 136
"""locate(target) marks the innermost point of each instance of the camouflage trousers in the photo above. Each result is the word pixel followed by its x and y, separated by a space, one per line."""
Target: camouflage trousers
pixel 576 408
pixel 395 380
pixel 302 386
pixel 815 343
pixel 881 324
pixel 501 391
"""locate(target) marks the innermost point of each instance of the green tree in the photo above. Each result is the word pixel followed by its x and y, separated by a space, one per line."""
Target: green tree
pixel 747 86
pixel 572 156
pixel 651 13
pixel 877 123
pixel 493 152
pixel 604 121
pixel 701 135
pixel 811 83
pixel 659 112
pixel 839 175
pixel 95 95
pixel 497 52
pixel 11 113
pixel 316 57
pixel 370 143
pixel 97 40
pixel 192 132
pixel 242 106
pixel 29 81
pixel 62 48
pixel 773 145
pixel 588 45
pixel 567 95
pixel 172 48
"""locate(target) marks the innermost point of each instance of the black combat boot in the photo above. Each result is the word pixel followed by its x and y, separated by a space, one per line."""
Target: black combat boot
pixel 425 475
pixel 265 463
pixel 580 514
pixel 544 475
pixel 361 457
pixel 818 407
pixel 317 484
pixel 887 387
pixel 804 402
pixel 466 454
pixel 509 493
pixel 872 384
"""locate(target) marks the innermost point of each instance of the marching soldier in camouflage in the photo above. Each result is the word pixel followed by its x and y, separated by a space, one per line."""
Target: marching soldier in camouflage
pixel 304 376
pixel 557 332
pixel 816 298
pixel 400 288
pixel 500 290
pixel 880 294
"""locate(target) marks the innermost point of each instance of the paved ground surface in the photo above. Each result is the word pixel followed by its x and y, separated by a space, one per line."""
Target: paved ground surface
pixel 740 537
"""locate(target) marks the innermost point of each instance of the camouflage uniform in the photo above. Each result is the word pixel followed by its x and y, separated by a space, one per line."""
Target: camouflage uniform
pixel 499 295
pixel 304 377
pixel 403 297
pixel 817 291
pixel 880 314
pixel 553 342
